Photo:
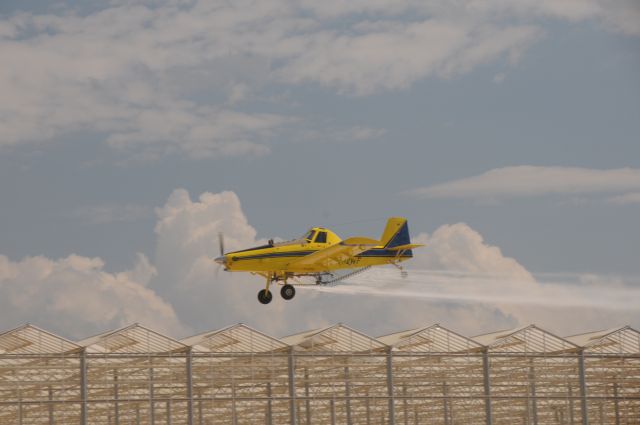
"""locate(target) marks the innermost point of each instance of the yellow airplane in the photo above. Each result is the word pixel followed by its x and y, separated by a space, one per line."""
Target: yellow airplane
pixel 318 253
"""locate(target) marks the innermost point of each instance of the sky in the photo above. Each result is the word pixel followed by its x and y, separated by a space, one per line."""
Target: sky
pixel 132 133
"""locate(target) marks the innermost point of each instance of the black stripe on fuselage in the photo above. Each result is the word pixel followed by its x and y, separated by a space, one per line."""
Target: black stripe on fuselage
pixel 275 255
pixel 372 253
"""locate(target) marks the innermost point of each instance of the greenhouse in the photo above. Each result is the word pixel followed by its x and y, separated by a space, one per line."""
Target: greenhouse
pixel 334 375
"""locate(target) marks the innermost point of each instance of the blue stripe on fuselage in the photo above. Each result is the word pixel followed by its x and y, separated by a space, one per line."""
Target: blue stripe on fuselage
pixel 377 252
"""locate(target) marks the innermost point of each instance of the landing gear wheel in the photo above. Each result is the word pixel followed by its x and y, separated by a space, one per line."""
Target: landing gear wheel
pixel 265 296
pixel 288 292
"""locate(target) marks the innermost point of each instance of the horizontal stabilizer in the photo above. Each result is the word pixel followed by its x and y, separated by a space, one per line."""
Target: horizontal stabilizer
pixel 405 247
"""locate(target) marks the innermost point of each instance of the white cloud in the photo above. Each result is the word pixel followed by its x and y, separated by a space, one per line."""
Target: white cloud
pixel 457 268
pixel 459 248
pixel 617 16
pixel 202 132
pixel 462 281
pixel 238 93
pixel 395 55
pixel 622 16
pixel 458 280
pixel 158 78
pixel 187 231
pixel 129 73
pixel 207 298
pixel 75 296
pixel 527 181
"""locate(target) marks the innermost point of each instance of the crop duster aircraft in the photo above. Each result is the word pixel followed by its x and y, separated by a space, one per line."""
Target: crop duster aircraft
pixel 318 254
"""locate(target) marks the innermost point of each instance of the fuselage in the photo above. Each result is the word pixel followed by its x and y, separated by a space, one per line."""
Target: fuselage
pixel 281 257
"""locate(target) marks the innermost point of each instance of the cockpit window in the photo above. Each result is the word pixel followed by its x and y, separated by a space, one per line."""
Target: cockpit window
pixel 322 237
pixel 309 236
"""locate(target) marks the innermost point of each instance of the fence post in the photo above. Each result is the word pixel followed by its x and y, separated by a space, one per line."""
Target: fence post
pixel 83 387
pixel 188 365
pixel 583 389
pixel 487 387
pixel 292 387
pixel 392 414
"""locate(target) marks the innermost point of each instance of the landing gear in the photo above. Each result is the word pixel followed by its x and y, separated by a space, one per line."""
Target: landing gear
pixel 288 291
pixel 265 296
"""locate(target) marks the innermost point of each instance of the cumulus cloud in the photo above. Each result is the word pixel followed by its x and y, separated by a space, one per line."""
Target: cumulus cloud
pixel 164 77
pixel 207 298
pixel 528 181
pixel 457 279
pixel 459 248
pixel 458 269
pixel 75 296
pixel 187 235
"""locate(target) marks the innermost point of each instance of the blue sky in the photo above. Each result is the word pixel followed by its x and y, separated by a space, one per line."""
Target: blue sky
pixel 338 114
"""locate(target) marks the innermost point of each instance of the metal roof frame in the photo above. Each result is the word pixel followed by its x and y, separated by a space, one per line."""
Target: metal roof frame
pixel 238 338
pixel 526 339
pixel 431 339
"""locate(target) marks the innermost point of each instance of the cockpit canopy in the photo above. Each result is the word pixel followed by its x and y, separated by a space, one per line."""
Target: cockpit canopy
pixel 309 235
pixel 320 235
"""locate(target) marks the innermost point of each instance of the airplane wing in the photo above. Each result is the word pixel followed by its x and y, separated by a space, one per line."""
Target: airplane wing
pixel 335 253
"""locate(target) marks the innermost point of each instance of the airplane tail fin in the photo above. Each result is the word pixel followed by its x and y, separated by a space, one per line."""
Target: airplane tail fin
pixel 396 236
pixel 396 233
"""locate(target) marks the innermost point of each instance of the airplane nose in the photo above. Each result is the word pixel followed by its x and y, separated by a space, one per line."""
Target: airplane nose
pixel 221 260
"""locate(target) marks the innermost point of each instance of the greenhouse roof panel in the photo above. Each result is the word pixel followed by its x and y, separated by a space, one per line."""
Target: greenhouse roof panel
pixel 610 341
pixel 29 339
pixel 432 339
pixel 131 340
pixel 527 339
pixel 238 338
pixel 337 338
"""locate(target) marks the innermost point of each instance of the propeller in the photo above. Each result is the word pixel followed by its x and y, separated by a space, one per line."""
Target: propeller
pixel 220 260
pixel 221 243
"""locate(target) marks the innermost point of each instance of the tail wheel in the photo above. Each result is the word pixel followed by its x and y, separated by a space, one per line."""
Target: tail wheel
pixel 288 292
pixel 265 296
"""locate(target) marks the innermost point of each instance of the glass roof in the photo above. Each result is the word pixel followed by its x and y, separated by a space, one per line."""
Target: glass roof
pixel 240 338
